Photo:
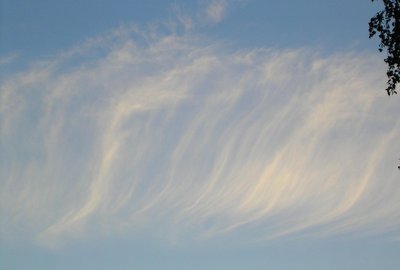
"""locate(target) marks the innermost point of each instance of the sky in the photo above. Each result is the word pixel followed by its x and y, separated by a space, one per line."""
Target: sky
pixel 204 134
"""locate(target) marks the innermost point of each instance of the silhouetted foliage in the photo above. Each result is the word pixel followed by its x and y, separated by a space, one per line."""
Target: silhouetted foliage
pixel 387 23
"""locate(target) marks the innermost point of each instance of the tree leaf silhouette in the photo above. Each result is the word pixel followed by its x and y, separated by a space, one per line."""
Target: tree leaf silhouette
pixel 387 24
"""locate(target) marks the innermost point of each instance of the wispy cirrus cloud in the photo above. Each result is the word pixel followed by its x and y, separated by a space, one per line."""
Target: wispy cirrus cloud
pixel 216 10
pixel 8 59
pixel 208 12
pixel 171 135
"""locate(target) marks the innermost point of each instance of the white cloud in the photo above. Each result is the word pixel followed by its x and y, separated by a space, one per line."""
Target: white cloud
pixel 8 59
pixel 216 10
pixel 172 136
pixel 181 17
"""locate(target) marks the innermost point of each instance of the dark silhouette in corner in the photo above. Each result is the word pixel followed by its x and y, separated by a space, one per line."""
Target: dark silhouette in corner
pixel 386 23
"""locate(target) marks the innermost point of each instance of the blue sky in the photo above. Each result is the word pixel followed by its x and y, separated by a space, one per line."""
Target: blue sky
pixel 208 134
pixel 40 28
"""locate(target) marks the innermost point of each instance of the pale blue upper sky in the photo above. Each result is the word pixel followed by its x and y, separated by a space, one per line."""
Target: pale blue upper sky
pixel 207 134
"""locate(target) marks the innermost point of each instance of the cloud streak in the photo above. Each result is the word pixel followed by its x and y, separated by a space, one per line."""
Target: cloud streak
pixel 171 135
pixel 216 10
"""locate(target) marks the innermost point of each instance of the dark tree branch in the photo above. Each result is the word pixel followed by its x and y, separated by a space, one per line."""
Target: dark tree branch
pixel 387 24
